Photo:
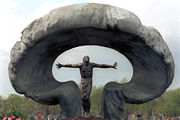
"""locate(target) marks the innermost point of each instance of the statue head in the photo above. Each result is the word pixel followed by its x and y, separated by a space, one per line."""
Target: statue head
pixel 86 59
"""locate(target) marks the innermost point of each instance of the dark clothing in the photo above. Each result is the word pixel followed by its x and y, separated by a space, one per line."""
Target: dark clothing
pixel 86 87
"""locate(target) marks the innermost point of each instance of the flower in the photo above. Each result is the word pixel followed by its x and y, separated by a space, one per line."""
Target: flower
pixel 18 119
pixel 9 118
pixel 13 116
pixel 4 118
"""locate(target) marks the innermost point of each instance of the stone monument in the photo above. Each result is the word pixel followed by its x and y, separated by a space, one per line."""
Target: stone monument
pixel 43 40
pixel 86 70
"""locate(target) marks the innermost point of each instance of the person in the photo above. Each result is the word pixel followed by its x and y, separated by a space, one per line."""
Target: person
pixel 86 71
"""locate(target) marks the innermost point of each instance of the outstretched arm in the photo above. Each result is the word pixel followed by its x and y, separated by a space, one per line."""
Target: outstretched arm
pixel 68 65
pixel 105 65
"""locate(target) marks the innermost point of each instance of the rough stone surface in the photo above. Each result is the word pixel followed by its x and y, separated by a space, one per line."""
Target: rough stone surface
pixel 42 41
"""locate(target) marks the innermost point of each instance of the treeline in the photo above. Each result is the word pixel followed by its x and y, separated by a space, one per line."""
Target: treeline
pixel 168 104
pixel 20 106
pixel 24 108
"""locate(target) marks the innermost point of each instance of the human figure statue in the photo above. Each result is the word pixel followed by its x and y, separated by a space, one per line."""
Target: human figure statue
pixel 86 71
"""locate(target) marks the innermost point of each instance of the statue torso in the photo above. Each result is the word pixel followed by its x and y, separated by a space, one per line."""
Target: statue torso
pixel 86 70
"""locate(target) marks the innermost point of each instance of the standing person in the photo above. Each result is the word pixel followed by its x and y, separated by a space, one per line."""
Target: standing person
pixel 86 71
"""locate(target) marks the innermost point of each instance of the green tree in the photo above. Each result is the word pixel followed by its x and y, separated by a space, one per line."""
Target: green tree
pixel 96 100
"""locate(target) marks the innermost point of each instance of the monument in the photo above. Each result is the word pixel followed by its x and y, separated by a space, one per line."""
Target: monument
pixel 43 40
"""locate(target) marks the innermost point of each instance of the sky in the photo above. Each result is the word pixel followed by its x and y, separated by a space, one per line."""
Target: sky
pixel 164 15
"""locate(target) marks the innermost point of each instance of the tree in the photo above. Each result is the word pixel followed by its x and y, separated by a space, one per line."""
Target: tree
pixel 96 100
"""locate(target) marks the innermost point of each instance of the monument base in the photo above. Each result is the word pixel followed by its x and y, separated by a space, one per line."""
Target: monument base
pixel 86 118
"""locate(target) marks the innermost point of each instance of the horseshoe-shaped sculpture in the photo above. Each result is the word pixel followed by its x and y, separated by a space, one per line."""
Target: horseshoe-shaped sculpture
pixel 30 68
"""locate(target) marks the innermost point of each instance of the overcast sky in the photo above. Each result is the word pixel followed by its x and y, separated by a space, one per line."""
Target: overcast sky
pixel 164 15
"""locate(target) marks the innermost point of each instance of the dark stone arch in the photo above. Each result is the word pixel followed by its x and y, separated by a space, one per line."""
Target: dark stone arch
pixel 30 68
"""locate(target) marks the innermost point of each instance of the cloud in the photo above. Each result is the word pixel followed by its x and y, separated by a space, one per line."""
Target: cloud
pixel 48 6
pixel 9 24
pixel 12 23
